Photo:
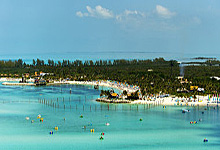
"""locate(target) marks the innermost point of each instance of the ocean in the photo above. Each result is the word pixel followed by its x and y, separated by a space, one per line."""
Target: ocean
pixel 160 128
pixel 106 55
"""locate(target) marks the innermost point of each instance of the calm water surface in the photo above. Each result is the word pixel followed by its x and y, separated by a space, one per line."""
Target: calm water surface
pixel 106 55
pixel 160 129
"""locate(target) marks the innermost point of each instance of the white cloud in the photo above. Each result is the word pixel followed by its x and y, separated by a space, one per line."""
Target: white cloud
pixel 79 14
pixel 159 19
pixel 98 12
pixel 164 12
pixel 103 12
pixel 129 14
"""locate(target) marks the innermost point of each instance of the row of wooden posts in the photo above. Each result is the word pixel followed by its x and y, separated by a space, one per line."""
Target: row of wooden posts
pixel 100 106
pixel 61 103
pixel 56 104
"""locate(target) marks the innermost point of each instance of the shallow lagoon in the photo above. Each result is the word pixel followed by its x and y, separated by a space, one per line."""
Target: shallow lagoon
pixel 160 129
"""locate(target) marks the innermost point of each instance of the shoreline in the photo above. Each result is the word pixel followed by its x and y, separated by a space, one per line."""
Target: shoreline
pixel 105 83
pixel 105 100
pixel 168 101
pixel 177 101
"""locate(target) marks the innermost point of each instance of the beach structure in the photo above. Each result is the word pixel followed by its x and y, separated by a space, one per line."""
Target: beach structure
pixel 192 88
pixel 40 82
pixel 44 74
pixel 215 77
pixel 196 88
pixel 182 90
pixel 201 90
pixel 182 80
pixel 24 77
pixel 114 95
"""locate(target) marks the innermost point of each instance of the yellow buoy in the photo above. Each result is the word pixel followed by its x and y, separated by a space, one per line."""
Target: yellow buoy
pixel 56 128
pixel 39 116
pixel 92 130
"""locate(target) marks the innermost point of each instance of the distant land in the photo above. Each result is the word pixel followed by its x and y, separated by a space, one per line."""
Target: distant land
pixel 206 58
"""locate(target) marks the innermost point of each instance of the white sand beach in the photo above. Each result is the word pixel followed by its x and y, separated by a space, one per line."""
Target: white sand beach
pixel 111 84
pixel 199 101
pixel 107 83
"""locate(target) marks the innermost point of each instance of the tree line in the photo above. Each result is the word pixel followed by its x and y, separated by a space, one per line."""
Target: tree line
pixel 152 76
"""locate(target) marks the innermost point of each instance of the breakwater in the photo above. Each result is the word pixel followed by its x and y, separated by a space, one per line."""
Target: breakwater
pixel 105 100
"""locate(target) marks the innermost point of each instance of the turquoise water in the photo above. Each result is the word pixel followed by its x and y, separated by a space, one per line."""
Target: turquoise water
pixel 160 129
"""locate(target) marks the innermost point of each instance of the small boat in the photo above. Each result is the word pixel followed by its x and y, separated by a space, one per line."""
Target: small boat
pixel 185 110
pixel 205 140
pixel 39 116
pixel 96 86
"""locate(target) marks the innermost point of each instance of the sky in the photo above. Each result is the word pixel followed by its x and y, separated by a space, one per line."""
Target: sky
pixel 54 26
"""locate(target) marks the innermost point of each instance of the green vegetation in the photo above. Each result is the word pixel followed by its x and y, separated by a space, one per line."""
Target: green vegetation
pixel 105 93
pixel 153 76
